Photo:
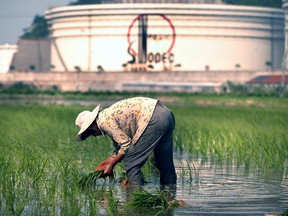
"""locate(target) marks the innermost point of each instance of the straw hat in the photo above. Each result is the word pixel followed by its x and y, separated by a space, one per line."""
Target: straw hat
pixel 85 119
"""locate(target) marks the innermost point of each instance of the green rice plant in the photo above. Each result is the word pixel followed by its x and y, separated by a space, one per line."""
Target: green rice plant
pixel 90 178
pixel 188 172
pixel 41 163
pixel 112 206
pixel 144 199
pixel 249 136
pixel 183 172
pixel 192 171
pixel 146 203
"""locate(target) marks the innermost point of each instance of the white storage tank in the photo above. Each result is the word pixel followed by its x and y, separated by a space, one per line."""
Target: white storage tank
pixel 165 37
pixel 285 58
pixel 6 55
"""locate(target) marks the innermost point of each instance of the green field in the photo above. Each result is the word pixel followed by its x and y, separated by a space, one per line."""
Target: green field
pixel 253 136
pixel 41 162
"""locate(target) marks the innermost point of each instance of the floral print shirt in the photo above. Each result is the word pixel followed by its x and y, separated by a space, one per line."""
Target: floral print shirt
pixel 126 120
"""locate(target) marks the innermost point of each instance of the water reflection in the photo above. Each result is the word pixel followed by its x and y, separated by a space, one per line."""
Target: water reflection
pixel 227 189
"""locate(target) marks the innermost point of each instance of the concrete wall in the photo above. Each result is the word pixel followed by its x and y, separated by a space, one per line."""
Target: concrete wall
pixel 32 55
pixel 129 81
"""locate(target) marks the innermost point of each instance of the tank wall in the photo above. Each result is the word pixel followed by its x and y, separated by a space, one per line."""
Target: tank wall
pixel 222 53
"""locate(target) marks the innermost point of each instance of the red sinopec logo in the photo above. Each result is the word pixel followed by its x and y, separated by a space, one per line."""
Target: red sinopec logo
pixel 151 38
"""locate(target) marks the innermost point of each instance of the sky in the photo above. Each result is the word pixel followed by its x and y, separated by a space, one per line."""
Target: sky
pixel 16 15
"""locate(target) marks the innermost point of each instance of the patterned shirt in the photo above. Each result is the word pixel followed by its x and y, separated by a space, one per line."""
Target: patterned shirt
pixel 126 120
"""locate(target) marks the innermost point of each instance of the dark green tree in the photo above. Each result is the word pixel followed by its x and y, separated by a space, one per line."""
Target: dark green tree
pixel 84 2
pixel 262 3
pixel 38 29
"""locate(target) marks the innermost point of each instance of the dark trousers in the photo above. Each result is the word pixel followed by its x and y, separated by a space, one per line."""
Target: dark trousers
pixel 157 137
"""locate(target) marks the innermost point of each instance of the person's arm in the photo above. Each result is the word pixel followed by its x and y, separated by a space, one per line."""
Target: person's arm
pixel 121 139
pixel 116 146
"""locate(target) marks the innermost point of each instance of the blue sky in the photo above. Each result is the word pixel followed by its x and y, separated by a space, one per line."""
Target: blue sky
pixel 16 15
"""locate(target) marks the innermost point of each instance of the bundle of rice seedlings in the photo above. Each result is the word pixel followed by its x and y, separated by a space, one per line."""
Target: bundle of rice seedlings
pixel 144 199
pixel 90 178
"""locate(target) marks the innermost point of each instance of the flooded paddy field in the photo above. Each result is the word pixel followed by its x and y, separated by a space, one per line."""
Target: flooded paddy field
pixel 218 190
pixel 230 160
pixel 230 190
pixel 214 189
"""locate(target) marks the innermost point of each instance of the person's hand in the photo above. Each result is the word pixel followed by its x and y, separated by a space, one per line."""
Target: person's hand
pixel 107 166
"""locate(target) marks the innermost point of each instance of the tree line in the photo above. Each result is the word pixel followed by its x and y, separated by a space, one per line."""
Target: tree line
pixel 261 3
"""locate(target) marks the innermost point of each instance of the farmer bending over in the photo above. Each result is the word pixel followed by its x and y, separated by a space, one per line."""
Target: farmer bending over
pixel 138 126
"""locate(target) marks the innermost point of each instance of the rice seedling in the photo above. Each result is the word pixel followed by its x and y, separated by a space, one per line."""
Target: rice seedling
pixel 90 178
pixel 144 199
pixel 192 171
pixel 159 203
pixel 112 205
pixel 188 172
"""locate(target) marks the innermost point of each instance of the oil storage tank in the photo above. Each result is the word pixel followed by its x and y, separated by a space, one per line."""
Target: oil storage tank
pixel 165 37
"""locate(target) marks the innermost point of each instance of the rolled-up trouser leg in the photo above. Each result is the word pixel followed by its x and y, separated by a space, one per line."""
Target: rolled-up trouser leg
pixel 158 132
